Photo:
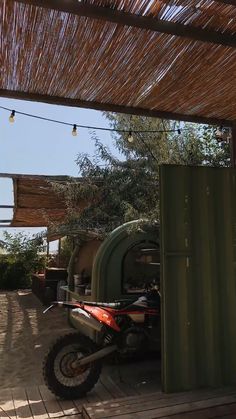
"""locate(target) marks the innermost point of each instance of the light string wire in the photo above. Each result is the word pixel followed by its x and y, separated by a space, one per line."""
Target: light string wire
pixel 56 121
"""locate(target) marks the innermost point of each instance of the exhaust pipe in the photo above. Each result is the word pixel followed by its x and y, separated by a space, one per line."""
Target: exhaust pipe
pixel 79 314
pixel 86 319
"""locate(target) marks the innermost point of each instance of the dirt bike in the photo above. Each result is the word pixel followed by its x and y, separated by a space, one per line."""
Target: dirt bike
pixel 73 364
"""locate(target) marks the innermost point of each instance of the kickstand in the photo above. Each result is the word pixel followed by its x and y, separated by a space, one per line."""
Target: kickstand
pixel 118 368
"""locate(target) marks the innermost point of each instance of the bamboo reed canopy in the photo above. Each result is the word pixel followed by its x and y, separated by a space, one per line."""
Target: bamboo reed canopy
pixel 35 202
pixel 172 59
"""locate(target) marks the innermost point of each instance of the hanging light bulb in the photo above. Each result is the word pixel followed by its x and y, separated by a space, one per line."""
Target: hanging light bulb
pixel 130 137
pixel 12 117
pixel 74 130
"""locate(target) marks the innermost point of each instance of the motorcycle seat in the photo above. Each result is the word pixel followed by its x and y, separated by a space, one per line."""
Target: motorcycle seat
pixel 118 305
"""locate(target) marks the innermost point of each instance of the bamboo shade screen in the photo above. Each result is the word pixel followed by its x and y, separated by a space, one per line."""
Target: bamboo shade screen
pixel 35 202
pixel 58 54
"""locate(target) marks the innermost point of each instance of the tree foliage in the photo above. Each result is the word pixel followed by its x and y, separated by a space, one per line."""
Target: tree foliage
pixel 21 260
pixel 188 144
pixel 124 188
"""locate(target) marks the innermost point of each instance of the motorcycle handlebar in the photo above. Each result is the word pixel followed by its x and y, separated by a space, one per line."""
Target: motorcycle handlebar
pixel 61 304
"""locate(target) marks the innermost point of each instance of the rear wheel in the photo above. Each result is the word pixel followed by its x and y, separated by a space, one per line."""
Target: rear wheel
pixel 60 372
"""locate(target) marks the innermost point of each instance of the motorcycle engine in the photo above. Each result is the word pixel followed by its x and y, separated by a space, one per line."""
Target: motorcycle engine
pixel 134 340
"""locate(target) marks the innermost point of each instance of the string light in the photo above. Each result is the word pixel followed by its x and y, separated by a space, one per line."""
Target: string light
pixel 74 130
pixel 130 137
pixel 76 126
pixel 12 117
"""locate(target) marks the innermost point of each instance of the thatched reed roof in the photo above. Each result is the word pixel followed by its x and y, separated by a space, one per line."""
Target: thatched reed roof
pixel 172 59
pixel 35 202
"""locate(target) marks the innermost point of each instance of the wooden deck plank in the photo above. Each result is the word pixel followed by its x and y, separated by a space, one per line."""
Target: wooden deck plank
pixel 80 402
pixel 210 413
pixel 68 407
pixel 112 387
pixel 128 389
pixel 102 392
pixel 50 402
pixel 93 397
pixel 21 404
pixel 78 416
pixel 152 408
pixel 6 403
pixel 123 388
pixel 182 397
pixel 3 414
pixel 183 408
pixel 36 404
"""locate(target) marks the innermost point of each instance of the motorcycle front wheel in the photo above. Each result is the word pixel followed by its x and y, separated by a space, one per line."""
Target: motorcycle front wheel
pixel 60 373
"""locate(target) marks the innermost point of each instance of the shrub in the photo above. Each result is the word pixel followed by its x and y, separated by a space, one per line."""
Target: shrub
pixel 22 259
pixel 14 276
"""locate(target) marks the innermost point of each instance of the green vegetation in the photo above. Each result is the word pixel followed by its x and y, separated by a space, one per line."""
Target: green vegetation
pixel 127 188
pixel 22 258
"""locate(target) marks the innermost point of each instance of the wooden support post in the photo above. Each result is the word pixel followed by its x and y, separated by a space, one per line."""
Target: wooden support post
pixel 70 268
pixel 47 249
pixel 59 252
pixel 233 146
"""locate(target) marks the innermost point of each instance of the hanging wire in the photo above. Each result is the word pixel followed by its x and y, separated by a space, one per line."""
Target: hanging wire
pixel 56 121
pixel 148 149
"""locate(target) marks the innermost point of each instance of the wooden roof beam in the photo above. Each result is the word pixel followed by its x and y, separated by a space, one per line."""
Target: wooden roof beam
pixel 230 2
pixel 61 178
pixel 137 21
pixel 109 107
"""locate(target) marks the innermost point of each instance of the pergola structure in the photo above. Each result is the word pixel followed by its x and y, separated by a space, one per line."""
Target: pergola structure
pixel 173 59
pixel 35 202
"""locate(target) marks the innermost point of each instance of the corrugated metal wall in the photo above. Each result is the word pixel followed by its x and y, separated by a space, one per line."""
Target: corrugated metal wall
pixel 198 240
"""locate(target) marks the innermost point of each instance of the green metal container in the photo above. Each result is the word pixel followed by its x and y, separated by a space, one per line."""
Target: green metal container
pixel 198 259
pixel 109 268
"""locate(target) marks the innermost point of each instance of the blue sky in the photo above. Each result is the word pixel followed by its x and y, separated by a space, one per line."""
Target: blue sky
pixel 31 146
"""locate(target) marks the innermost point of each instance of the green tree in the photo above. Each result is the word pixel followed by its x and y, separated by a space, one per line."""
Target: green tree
pixel 22 259
pixel 126 188
pixel 66 249
pixel 190 144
